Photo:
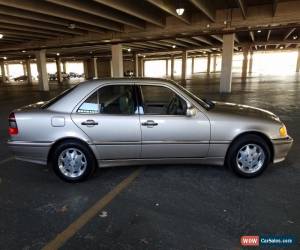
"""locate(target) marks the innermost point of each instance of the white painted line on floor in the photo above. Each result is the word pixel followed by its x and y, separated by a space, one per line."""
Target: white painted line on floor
pixel 6 160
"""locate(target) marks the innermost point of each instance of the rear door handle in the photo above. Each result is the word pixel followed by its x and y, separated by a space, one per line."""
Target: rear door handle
pixel 149 123
pixel 89 123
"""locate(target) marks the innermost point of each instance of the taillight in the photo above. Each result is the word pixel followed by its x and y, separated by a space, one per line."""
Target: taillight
pixel 12 125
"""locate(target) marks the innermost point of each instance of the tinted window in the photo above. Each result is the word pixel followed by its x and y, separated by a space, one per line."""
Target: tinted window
pixel 111 99
pixel 159 100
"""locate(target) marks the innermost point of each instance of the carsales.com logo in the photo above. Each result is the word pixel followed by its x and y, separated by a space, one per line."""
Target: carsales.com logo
pixel 268 240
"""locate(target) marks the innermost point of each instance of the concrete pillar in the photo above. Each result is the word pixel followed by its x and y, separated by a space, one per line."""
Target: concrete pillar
pixel 298 61
pixel 7 69
pixel 215 63
pixel 193 65
pixel 3 78
pixel 167 66
pixel 142 67
pixel 28 71
pixel 250 61
pixel 245 62
pixel 227 55
pixel 95 68
pixel 208 63
pixel 136 65
pixel 183 65
pixel 85 69
pixel 42 69
pixel 24 68
pixel 117 60
pixel 58 69
pixel 64 67
pixel 172 67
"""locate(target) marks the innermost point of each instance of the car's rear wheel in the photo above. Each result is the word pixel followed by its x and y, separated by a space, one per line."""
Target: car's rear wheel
pixel 249 156
pixel 73 161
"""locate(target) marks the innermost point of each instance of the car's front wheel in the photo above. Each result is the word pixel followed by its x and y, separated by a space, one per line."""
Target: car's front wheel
pixel 249 156
pixel 72 161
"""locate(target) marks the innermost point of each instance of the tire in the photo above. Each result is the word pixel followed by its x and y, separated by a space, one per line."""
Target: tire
pixel 73 161
pixel 249 156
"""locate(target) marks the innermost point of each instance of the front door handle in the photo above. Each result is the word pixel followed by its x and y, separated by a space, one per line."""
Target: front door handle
pixel 149 123
pixel 89 123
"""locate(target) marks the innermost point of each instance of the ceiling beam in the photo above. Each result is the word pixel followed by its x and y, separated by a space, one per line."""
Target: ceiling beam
pixel 39 25
pixel 53 10
pixel 218 38
pixel 202 39
pixel 140 10
pixel 24 34
pixel 28 29
pixel 101 11
pixel 274 7
pixel 160 43
pixel 243 7
pixel 289 33
pixel 174 42
pixel 61 23
pixel 205 7
pixel 251 33
pixel 268 35
pixel 169 7
pixel 188 41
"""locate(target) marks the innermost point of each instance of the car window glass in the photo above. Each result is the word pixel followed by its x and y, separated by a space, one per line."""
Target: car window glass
pixel 159 100
pixel 111 99
pixel 90 105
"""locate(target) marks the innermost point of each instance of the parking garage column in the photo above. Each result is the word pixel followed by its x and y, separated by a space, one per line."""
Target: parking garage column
pixel 28 71
pixel 245 62
pixel 215 63
pixel 117 60
pixel 64 67
pixel 95 67
pixel 3 77
pixel 183 65
pixel 208 63
pixel 42 69
pixel 250 61
pixel 172 67
pixel 193 64
pixel 58 69
pixel 136 64
pixel 298 61
pixel 226 70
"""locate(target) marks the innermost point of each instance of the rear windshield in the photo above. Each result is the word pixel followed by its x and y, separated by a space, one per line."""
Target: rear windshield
pixel 57 98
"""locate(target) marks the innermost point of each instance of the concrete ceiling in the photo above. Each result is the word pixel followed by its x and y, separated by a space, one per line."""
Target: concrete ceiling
pixel 89 27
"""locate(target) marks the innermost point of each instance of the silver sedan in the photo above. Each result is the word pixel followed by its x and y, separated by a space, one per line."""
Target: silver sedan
pixel 114 122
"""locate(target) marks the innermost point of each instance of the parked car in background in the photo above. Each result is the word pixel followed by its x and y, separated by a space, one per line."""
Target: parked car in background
pixel 21 78
pixel 115 122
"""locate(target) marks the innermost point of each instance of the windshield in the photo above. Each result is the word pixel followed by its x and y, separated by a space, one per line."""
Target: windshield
pixel 204 103
pixel 55 99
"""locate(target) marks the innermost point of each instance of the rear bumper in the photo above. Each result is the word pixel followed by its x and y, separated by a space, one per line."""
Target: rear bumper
pixel 36 152
pixel 281 148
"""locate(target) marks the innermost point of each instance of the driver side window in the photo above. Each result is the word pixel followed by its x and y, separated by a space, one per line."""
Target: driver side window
pixel 160 100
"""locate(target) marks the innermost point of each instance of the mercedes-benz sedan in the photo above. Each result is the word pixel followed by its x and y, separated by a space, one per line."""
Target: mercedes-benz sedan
pixel 113 122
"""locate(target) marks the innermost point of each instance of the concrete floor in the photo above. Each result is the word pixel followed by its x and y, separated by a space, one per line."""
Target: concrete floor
pixel 174 207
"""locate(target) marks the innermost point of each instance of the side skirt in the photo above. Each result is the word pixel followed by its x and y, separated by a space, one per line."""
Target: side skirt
pixel 162 161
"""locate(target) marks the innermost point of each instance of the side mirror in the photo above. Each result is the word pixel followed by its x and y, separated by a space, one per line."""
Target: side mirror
pixel 191 111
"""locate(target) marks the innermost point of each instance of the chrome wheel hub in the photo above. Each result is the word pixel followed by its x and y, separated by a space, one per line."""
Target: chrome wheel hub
pixel 72 162
pixel 250 158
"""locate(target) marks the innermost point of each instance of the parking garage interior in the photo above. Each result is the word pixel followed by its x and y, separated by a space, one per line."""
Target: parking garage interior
pixel 240 51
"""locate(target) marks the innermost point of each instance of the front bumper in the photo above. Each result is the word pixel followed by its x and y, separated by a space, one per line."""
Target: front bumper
pixel 281 148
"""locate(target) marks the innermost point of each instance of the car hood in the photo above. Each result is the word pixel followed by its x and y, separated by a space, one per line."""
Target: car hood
pixel 235 109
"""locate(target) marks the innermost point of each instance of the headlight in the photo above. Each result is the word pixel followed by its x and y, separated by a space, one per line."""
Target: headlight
pixel 283 131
